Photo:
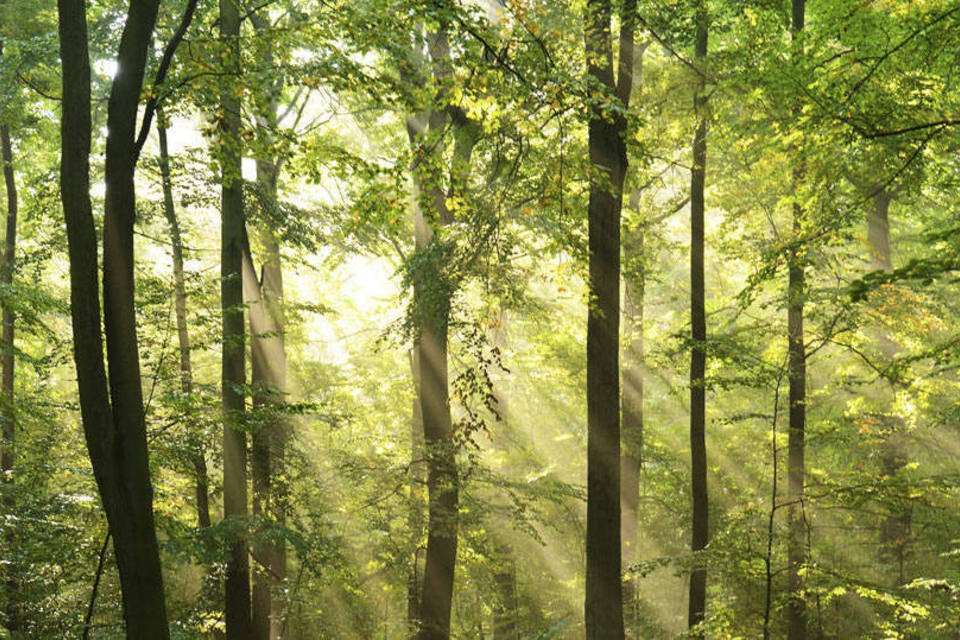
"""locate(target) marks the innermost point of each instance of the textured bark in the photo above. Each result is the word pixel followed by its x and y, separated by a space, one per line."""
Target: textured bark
pixel 698 336
pixel 608 158
pixel 797 377
pixel 237 584
pixel 198 459
pixel 8 413
pixel 113 421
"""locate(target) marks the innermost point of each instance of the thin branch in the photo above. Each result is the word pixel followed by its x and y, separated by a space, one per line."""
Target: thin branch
pixel 101 561
pixel 165 62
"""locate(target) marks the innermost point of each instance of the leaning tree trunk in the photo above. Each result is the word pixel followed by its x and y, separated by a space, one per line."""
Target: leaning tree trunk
pixel 113 420
pixel 608 157
pixel 8 413
pixel 197 458
pixel 698 334
pixel 237 583
pixel 797 376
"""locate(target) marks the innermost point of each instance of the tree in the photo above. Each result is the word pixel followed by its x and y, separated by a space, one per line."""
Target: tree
pixel 608 157
pixel 198 459
pixel 7 362
pixel 431 307
pixel 698 338
pixel 112 416
pixel 797 377
pixel 268 360
pixel 233 364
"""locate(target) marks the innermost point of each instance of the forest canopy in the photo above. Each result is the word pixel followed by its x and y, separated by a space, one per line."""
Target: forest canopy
pixel 510 319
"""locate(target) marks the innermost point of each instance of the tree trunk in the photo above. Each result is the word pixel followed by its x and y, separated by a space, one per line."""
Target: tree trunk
pixel 442 476
pixel 608 156
pixel 268 371
pixel 797 376
pixel 268 440
pixel 237 584
pixel 631 459
pixel 698 336
pixel 432 294
pixel 113 421
pixel 895 534
pixel 198 459
pixel 417 481
pixel 8 413
pixel 506 608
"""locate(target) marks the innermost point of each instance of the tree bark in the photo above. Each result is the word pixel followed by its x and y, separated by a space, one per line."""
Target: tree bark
pixel 7 362
pixel 797 377
pixel 113 420
pixel 698 335
pixel 608 158
pixel 237 583
pixel 197 457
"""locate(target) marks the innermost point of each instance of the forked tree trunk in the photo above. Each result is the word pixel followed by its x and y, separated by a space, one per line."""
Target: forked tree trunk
pixel 113 421
pixel 432 294
pixel 608 158
pixel 698 334
pixel 237 584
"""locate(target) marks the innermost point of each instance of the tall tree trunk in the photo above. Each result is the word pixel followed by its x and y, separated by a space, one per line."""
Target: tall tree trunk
pixel 113 420
pixel 442 476
pixel 8 413
pixel 237 584
pixel 797 376
pixel 417 480
pixel 698 335
pixel 268 439
pixel 608 156
pixel 432 293
pixel 895 534
pixel 268 371
pixel 631 459
pixel 506 607
pixel 197 457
